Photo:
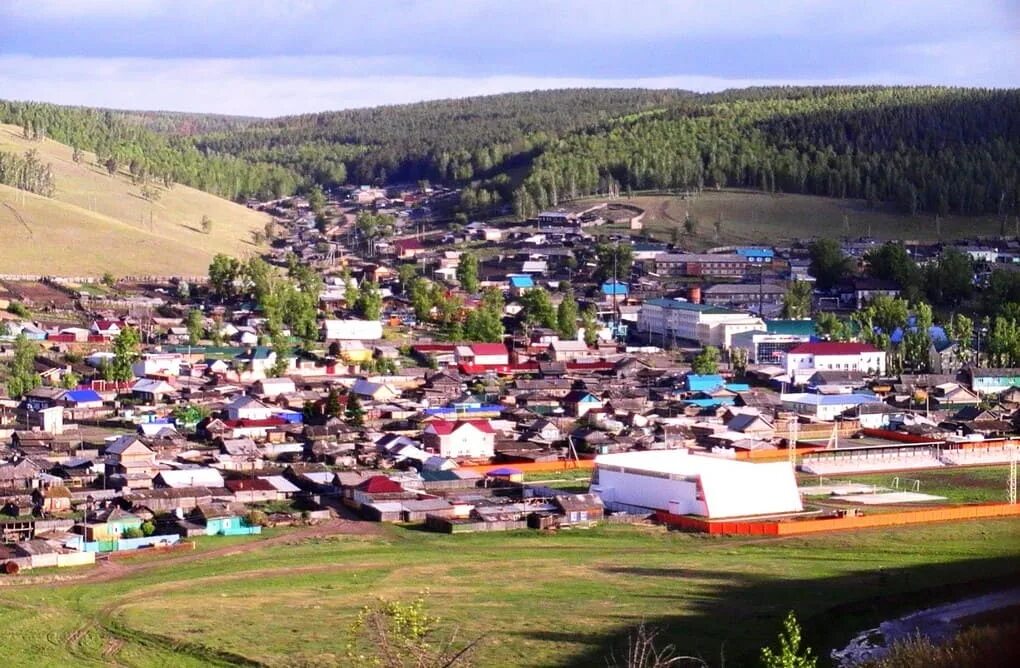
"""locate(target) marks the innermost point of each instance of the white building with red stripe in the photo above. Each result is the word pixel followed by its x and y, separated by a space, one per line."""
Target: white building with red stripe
pixel 804 360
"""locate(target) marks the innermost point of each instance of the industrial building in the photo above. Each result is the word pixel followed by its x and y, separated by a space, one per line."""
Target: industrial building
pixel 673 320
pixel 689 484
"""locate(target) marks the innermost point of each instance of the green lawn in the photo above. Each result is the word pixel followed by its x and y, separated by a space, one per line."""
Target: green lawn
pixel 975 484
pixel 540 599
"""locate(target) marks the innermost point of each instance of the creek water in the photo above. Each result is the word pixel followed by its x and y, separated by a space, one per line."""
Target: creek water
pixel 939 623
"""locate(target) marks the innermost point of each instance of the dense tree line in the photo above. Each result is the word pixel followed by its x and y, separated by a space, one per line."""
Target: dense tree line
pixel 443 140
pixel 117 143
pixel 926 149
pixel 27 172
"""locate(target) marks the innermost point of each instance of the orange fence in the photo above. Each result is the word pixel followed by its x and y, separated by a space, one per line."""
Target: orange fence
pixel 797 527
pixel 537 467
pixel 774 455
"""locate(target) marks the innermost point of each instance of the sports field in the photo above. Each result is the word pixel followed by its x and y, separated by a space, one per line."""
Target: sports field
pixel 561 599
pixel 750 217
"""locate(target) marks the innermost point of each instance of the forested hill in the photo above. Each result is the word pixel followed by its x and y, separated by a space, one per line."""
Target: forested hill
pixel 928 149
pixel 443 140
pixel 121 141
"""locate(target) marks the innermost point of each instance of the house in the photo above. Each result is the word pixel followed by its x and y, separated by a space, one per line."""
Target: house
pixel 153 391
pixel 578 403
pixel 752 424
pixel 993 381
pixel 681 483
pixel 52 499
pixel 672 320
pixel 21 475
pixel 568 351
pixel 483 354
pixel 81 399
pixel 825 407
pixel 837 382
pixel 860 291
pixel 258 360
pixel 520 283
pixel 580 510
pixel 252 490
pixel 408 249
pixel 245 407
pixel 354 352
pixel 374 391
pixel 220 520
pixel 130 461
pixel 188 478
pixel 158 364
pixel 545 430
pixel 703 383
pixel 111 524
pixel 802 361
pixel 614 289
pixel 107 329
pixel 351 330
pixel 468 439
pixel 270 388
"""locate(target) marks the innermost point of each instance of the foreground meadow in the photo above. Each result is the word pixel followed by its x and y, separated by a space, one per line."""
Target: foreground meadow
pixel 561 599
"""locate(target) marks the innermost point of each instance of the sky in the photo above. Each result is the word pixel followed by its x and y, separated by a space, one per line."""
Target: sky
pixel 263 58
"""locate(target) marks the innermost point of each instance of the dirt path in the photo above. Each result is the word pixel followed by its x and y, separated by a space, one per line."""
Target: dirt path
pixel 107 570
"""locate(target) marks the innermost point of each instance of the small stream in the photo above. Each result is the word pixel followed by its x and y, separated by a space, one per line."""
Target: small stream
pixel 939 624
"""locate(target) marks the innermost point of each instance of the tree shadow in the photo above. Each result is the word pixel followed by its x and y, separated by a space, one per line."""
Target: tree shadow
pixel 738 614
pixel 191 228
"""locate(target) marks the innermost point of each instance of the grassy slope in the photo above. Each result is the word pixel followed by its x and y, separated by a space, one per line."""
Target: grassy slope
pixel 543 600
pixel 752 217
pixel 99 223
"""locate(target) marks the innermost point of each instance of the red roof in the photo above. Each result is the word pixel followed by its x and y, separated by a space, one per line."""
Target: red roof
pixel 434 348
pixel 380 484
pixel 833 348
pixel 408 244
pixel 488 349
pixel 445 427
pixel 249 485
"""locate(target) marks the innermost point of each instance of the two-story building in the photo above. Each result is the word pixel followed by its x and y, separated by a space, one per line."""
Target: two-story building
pixel 801 362
pixel 468 439
pixel 671 319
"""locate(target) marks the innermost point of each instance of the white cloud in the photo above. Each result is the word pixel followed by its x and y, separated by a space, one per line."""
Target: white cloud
pixel 278 86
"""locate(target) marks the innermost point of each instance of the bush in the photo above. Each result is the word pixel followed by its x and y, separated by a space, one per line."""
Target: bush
pixel 19 309
pixel 256 518
pixel 133 532
pixel 148 528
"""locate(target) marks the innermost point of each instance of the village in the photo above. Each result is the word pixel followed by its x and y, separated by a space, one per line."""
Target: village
pixel 385 360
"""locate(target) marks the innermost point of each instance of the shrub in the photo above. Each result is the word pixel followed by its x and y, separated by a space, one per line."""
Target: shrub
pixel 133 532
pixel 256 518
pixel 148 528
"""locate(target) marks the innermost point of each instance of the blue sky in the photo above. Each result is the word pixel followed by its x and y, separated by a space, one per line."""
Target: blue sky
pixel 292 56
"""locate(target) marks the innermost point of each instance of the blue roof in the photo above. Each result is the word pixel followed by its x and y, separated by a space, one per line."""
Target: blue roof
pixel 82 396
pixel 756 252
pixel 615 288
pixel 791 327
pixel 935 332
pixel 709 402
pixel 738 387
pixel 698 383
pixel 522 281
pixel 505 470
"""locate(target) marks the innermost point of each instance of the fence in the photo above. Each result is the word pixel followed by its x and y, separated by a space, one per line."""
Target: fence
pixel 820 525
pixel 536 467
pixel 122 544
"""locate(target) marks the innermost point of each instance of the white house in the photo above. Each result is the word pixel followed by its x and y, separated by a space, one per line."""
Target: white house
pixel 671 319
pixel 248 408
pixel 804 360
pixel 470 439
pixel 688 484
pixel 351 330
pixel 158 364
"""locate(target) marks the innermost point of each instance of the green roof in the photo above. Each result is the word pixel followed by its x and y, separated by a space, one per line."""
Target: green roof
pixel 687 306
pixel 791 327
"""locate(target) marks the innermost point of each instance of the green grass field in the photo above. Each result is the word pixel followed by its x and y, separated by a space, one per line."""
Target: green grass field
pixel 975 484
pixel 97 222
pixel 754 217
pixel 539 599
